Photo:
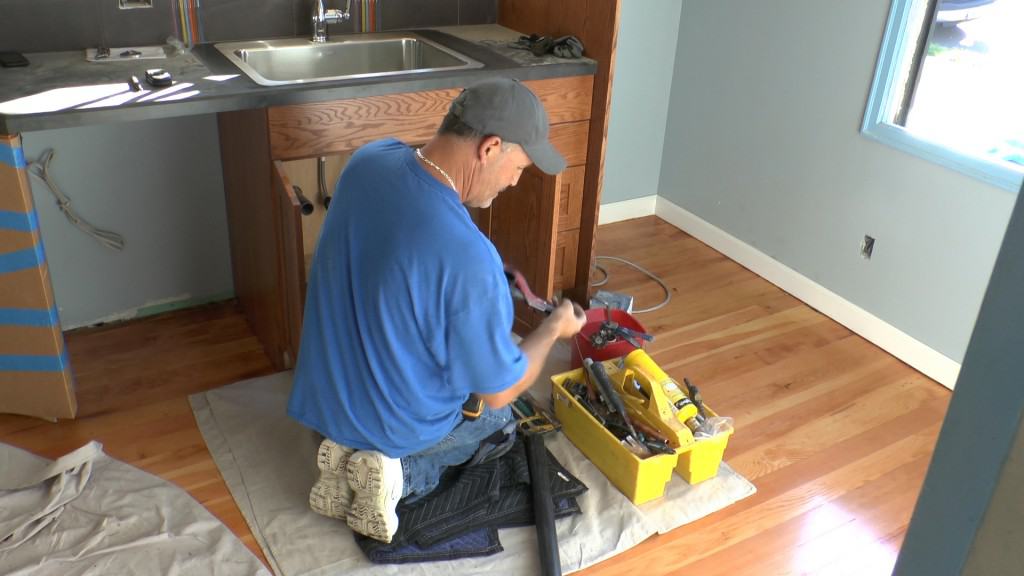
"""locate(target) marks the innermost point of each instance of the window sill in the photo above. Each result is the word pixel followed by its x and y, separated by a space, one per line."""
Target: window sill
pixel 1005 175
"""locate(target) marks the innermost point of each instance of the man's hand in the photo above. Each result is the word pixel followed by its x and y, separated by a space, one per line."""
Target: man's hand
pixel 567 319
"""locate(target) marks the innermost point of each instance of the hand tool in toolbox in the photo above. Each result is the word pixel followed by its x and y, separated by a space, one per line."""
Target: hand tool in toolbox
pixel 637 437
pixel 643 404
pixel 659 401
pixel 599 376
pixel 603 437
pixel 694 393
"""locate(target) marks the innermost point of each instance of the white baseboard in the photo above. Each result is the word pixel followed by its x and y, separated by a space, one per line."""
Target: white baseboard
pixel 930 362
pixel 627 209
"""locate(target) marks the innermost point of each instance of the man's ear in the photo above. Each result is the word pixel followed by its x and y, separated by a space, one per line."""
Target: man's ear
pixel 489 148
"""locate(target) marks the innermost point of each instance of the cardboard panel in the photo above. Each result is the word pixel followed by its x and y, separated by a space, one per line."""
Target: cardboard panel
pixel 35 378
pixel 21 289
pixel 21 340
pixel 33 362
pixel 16 241
pixel 12 181
pixel 11 152
pixel 41 394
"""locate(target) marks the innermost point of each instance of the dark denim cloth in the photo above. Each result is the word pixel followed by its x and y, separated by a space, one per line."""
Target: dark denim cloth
pixel 479 542
pixel 470 544
pixel 447 523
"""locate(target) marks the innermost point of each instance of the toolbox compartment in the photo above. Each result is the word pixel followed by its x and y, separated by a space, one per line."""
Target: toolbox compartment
pixel 639 479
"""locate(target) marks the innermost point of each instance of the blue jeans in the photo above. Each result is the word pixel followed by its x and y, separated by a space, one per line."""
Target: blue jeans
pixel 423 470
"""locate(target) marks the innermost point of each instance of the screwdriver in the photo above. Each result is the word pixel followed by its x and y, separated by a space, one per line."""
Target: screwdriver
pixel 604 384
pixel 694 393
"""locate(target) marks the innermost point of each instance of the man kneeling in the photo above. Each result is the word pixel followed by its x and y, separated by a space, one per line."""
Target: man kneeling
pixel 408 311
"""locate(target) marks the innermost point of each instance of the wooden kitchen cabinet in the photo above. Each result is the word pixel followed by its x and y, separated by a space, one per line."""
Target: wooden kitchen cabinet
pixel 536 226
pixel 293 260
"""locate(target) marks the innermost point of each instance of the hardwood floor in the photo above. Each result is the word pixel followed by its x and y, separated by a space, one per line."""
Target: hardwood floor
pixel 835 433
pixel 133 381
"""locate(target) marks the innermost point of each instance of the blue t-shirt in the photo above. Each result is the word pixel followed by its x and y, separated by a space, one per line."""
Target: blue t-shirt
pixel 407 310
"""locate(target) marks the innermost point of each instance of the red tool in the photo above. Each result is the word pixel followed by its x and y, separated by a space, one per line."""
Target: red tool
pixel 521 291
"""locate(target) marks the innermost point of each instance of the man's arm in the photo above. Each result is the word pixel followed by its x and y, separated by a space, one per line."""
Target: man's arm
pixel 564 322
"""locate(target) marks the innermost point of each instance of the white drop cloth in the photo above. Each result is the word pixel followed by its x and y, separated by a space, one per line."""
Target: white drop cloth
pixel 267 460
pixel 89 514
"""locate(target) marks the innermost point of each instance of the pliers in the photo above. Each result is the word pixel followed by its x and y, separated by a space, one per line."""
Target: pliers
pixel 520 290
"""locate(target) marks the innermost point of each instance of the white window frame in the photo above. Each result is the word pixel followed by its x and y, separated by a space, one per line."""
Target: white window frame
pixel 896 55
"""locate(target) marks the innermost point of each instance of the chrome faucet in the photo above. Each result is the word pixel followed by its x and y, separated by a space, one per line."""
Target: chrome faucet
pixel 322 17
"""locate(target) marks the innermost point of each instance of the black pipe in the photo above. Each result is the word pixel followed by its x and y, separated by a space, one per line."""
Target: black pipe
pixel 304 204
pixel 321 182
pixel 543 506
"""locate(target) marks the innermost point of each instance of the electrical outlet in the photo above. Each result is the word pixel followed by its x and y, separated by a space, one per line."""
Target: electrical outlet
pixel 867 246
pixel 130 4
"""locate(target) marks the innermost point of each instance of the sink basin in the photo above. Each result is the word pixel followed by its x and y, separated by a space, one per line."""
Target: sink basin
pixel 297 60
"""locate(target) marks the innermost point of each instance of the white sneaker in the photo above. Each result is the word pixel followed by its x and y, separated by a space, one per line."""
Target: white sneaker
pixel 376 482
pixel 331 495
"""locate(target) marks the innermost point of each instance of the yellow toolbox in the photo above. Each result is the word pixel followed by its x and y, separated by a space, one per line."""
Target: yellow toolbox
pixel 640 479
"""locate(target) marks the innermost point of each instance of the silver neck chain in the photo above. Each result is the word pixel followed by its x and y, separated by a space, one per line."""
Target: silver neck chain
pixel 438 168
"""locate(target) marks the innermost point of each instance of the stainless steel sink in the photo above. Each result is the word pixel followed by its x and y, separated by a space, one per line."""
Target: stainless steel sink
pixel 296 60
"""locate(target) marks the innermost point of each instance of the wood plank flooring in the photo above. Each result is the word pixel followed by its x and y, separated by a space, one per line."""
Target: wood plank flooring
pixel 835 433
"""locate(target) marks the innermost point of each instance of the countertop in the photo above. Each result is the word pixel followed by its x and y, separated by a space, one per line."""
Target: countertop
pixel 62 89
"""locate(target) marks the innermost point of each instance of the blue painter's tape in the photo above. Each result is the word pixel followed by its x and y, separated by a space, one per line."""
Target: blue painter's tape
pixel 22 259
pixel 20 221
pixel 12 156
pixel 29 363
pixel 29 317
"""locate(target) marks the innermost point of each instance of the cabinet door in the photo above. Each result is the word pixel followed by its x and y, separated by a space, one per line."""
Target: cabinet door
pixel 293 266
pixel 523 224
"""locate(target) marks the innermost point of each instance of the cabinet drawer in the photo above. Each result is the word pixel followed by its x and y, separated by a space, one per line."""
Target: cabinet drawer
pixel 565 259
pixel 565 99
pixel 324 128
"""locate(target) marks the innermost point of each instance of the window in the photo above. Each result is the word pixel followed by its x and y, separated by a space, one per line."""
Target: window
pixel 949 86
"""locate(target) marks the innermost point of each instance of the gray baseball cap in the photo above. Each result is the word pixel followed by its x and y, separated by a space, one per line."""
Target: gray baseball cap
pixel 506 108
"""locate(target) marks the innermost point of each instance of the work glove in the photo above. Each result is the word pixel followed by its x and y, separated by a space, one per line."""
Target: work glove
pixel 567 47
pixel 563 47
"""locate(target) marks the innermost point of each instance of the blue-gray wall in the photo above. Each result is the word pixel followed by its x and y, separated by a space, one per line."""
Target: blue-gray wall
pixel 763 142
pixel 968 518
pixel 644 64
pixel 158 184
